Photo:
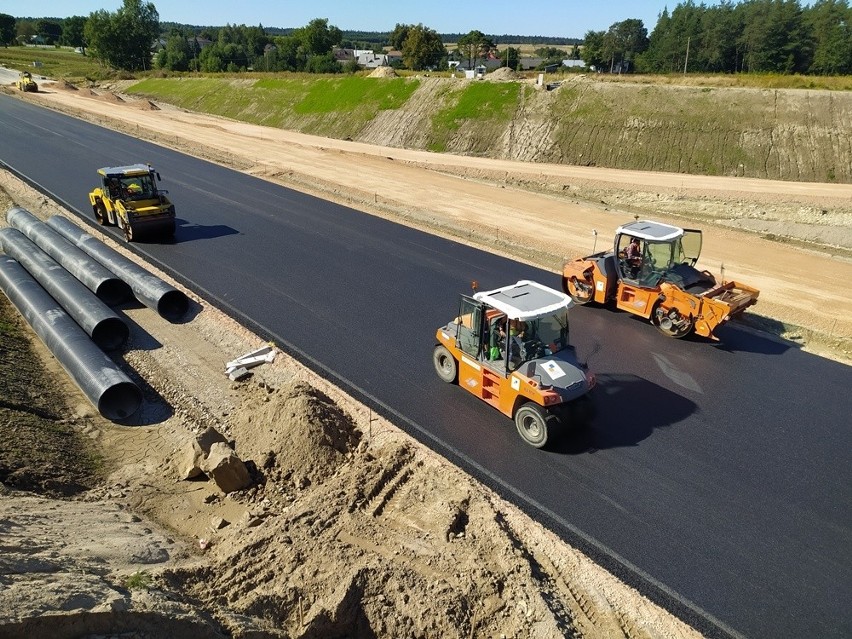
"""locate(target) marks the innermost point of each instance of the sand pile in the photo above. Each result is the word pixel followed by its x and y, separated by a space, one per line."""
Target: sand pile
pixel 144 105
pixel 295 432
pixel 503 74
pixel 383 72
pixel 109 96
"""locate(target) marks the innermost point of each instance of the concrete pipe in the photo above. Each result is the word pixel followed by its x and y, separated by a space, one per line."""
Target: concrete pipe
pixel 99 321
pixel 149 289
pixel 111 289
pixel 110 390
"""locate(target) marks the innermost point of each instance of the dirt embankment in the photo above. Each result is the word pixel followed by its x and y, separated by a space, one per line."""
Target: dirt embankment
pixel 778 134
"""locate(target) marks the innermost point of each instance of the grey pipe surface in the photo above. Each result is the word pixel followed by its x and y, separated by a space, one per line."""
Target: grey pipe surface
pixel 149 289
pixel 90 272
pixel 110 390
pixel 99 321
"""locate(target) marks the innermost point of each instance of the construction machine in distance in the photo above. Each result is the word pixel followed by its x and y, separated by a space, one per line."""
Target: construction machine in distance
pixel 656 279
pixel 130 199
pixel 509 347
pixel 26 83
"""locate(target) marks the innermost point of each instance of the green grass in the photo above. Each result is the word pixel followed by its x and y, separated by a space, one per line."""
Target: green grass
pixel 139 580
pixel 311 104
pixel 488 104
pixel 480 100
pixel 55 63
pixel 330 95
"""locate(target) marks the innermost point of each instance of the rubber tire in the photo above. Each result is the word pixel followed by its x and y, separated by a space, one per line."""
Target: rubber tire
pixel 668 333
pixel 533 424
pixel 101 214
pixel 445 364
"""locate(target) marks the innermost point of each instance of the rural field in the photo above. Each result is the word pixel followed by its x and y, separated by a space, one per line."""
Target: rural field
pixel 411 546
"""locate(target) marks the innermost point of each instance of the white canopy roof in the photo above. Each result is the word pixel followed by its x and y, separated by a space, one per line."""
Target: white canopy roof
pixel 525 300
pixel 651 231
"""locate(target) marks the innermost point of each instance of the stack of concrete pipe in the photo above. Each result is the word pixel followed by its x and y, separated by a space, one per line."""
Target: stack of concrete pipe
pixel 61 280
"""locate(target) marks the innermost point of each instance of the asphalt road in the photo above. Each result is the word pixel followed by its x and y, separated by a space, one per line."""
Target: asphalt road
pixel 715 478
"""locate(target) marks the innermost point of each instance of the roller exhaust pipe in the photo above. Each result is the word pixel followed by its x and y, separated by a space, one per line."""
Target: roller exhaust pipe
pixel 111 289
pixel 113 393
pixel 149 289
pixel 100 322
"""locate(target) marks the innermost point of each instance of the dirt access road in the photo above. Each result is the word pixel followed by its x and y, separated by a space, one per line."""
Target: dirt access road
pixel 411 546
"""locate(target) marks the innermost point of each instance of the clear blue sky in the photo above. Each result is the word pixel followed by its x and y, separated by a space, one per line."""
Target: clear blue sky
pixel 564 18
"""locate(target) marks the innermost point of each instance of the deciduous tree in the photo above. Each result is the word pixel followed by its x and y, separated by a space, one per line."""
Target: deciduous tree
pixel 7 29
pixel 49 30
pixel 398 36
pixel 625 40
pixel 422 48
pixel 123 39
pixel 317 37
pixel 73 32
pixel 473 46
pixel 593 49
pixel 177 54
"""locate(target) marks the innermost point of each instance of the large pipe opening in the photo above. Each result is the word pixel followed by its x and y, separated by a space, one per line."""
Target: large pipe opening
pixel 120 401
pixel 101 381
pixel 153 292
pixel 98 320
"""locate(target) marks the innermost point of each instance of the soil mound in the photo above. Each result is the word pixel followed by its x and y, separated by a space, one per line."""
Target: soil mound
pixel 383 72
pixel 65 85
pixel 109 96
pixel 144 105
pixel 503 74
pixel 296 431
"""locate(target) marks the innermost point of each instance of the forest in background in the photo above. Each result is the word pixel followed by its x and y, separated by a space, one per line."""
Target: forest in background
pixel 754 36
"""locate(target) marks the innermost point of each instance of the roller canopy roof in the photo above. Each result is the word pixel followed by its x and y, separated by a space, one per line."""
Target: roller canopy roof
pixel 651 231
pixel 525 300
pixel 122 171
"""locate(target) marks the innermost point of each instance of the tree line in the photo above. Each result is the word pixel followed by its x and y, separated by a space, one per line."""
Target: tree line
pixel 758 36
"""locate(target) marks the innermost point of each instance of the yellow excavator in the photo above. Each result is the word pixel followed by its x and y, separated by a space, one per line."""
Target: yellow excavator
pixel 130 199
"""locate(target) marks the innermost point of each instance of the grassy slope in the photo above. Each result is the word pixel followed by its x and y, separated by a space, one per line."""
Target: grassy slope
pixel 766 126
pixel 54 63
pixel 331 106
pixel 752 132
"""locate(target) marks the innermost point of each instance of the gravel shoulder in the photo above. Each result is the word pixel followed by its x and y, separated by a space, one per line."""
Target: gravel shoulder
pixel 410 546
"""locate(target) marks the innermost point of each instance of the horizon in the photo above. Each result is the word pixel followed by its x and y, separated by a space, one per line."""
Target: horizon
pixel 539 18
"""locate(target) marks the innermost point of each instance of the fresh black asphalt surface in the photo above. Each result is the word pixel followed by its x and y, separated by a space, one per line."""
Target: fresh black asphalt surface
pixel 713 477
